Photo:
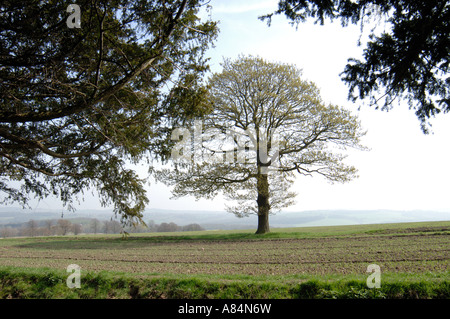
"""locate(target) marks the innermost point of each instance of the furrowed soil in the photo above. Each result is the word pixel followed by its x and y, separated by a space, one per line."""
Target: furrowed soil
pixel 283 255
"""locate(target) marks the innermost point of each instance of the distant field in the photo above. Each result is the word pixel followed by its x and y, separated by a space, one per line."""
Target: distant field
pixel 409 253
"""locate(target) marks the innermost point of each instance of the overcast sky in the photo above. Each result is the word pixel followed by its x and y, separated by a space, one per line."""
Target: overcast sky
pixel 404 169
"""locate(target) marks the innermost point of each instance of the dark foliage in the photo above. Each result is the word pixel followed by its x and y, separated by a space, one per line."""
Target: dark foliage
pixel 78 104
pixel 410 61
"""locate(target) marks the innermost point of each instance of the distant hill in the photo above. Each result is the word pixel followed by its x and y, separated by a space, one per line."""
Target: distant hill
pixel 223 220
pixel 16 215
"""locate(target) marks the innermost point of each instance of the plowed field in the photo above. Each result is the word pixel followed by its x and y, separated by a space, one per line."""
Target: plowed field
pixel 402 250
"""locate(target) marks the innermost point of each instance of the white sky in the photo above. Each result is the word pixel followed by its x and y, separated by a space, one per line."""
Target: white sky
pixel 404 170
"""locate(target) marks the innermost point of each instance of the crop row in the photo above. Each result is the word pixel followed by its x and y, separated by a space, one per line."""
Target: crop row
pixel 337 255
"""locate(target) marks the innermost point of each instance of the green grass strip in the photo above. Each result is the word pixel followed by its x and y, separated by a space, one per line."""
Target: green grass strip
pixel 31 283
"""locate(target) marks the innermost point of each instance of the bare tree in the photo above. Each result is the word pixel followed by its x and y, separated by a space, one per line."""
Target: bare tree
pixel 49 227
pixel 32 228
pixel 95 225
pixel 152 227
pixel 168 227
pixel 8 232
pixel 64 226
pixel 76 228
pixel 192 227
pixel 267 124
pixel 107 227
pixel 116 227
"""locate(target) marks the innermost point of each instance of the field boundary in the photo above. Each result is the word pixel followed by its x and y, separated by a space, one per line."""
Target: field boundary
pixel 18 283
pixel 410 260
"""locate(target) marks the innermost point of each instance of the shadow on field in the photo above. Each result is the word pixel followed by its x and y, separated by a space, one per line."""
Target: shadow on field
pixel 141 240
pixel 75 243
pixel 106 242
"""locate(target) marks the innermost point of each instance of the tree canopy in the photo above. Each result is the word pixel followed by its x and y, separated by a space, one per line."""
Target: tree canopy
pixel 79 103
pixel 266 125
pixel 410 60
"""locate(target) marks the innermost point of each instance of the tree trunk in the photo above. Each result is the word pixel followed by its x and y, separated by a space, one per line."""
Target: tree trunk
pixel 263 204
pixel 263 223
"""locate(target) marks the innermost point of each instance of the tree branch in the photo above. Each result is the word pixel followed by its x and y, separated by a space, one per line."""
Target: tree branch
pixel 43 148
pixel 13 117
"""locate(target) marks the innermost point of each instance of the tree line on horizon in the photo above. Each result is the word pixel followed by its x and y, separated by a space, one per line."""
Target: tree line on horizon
pixel 63 227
